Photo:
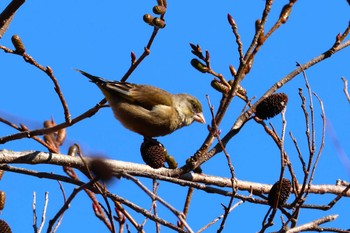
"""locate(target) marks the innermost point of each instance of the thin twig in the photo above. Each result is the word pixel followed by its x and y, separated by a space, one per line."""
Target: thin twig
pixel 179 214
pixel 43 131
pixel 34 213
pixel 281 20
pixel 146 52
pixel 311 140
pixel 300 155
pixel 99 213
pixel 283 161
pixel 260 30
pixel 153 204
pixel 144 212
pixel 313 225
pixel 238 37
pixel 22 128
pixel 228 158
pixel 64 200
pixel 220 217
pixel 201 155
pixel 346 88
pixel 67 204
pixel 49 72
pixel 188 201
pixel 155 188
pixel 338 197
pixel 43 216
pixel 324 123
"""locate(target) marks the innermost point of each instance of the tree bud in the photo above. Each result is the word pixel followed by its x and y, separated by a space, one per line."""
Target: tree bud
pixel 286 10
pixel 159 10
pixel 17 42
pixel 199 65
pixel 148 19
pixel 219 86
pixel 158 22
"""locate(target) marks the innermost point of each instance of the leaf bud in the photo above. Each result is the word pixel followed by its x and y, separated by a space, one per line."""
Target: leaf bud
pixel 61 136
pixel 158 22
pixel 17 42
pixel 286 10
pixel 231 21
pixel 241 92
pixel 73 150
pixel 233 71
pixel 133 57
pixel 261 38
pixel 170 160
pixel 148 19
pixel 257 24
pixel 199 65
pixel 159 10
pixel 219 86
pixel 249 64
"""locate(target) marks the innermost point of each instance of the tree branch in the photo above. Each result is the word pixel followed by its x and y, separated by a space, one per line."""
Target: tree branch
pixel 118 167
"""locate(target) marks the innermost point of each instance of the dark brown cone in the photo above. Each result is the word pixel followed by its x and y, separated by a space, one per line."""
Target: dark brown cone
pixel 4 227
pixel 2 200
pixel 271 106
pixel 274 199
pixel 153 153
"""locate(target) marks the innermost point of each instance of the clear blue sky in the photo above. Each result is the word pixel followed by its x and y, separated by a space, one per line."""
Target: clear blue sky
pixel 98 38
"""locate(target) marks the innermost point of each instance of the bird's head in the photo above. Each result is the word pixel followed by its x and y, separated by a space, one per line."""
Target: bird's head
pixel 189 109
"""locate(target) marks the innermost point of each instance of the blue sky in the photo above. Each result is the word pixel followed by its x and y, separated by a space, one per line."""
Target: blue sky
pixel 98 38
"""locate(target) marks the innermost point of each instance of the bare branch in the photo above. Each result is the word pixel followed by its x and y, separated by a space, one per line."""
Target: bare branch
pixel 30 133
pixel 7 15
pixel 346 88
pixel 35 218
pixel 220 217
pixel 179 214
pixel 43 216
pixel 67 203
pixel 188 179
pixel 313 225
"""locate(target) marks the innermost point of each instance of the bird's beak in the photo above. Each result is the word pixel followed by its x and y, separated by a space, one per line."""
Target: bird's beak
pixel 199 117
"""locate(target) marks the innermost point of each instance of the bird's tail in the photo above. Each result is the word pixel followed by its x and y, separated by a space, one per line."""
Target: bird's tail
pixel 92 78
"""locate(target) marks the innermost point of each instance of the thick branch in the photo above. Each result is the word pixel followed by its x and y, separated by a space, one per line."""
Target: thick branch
pixel 37 157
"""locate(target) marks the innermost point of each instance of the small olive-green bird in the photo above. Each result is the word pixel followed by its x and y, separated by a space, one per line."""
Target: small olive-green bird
pixel 148 110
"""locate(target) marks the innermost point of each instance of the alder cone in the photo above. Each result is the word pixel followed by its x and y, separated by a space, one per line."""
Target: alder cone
pixel 273 199
pixel 271 106
pixel 153 153
pixel 2 200
pixel 4 227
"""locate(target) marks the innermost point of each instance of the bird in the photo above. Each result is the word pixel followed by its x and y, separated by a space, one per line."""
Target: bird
pixel 148 110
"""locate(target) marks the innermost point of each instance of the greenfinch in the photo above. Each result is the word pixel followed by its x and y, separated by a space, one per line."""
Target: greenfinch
pixel 148 110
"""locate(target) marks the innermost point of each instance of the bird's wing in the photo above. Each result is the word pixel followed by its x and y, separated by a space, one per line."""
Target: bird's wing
pixel 142 95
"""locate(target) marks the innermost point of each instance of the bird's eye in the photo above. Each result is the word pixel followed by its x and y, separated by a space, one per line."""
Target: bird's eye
pixel 195 106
